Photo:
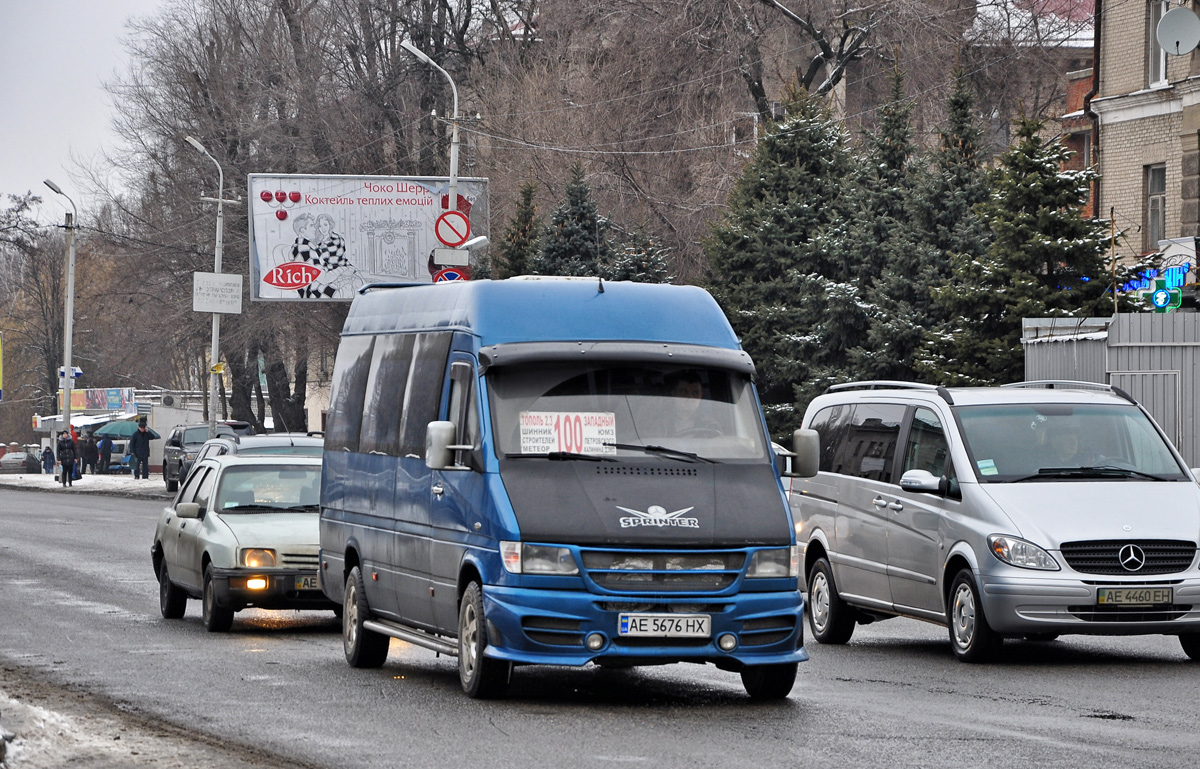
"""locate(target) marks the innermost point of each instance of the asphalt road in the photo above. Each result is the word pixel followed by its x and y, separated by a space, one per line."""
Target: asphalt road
pixel 79 616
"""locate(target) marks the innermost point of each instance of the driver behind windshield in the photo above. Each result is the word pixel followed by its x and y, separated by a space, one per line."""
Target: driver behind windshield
pixel 688 414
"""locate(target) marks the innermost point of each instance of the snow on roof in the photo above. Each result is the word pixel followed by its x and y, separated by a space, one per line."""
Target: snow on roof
pixel 1047 23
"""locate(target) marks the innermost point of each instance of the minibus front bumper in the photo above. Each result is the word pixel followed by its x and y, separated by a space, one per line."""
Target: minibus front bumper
pixel 554 627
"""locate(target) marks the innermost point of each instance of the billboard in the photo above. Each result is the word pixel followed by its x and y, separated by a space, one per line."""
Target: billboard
pixel 321 238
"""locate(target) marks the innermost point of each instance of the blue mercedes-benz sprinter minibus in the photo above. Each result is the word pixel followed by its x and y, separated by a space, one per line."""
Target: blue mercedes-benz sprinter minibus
pixel 561 472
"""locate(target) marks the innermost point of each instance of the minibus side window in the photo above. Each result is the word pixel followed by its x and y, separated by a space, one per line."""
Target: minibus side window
pixel 385 393
pixel 462 411
pixel 349 393
pixel 423 393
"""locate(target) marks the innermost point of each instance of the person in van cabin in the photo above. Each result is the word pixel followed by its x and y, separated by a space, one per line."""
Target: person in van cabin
pixel 687 414
pixel 1062 440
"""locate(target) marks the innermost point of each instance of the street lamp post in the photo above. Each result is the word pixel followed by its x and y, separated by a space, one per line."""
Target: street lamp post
pixel 68 374
pixel 452 192
pixel 216 317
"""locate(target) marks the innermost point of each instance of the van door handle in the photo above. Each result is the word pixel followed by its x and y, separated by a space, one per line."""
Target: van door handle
pixel 895 506
pixel 438 489
pixel 879 502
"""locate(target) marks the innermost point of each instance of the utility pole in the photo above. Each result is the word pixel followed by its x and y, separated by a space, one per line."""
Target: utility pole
pixel 67 378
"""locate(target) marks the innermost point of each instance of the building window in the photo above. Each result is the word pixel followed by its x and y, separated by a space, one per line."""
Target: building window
pixel 1156 57
pixel 1156 206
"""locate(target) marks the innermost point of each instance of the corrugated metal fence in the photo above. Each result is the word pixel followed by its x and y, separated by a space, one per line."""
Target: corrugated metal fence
pixel 1153 357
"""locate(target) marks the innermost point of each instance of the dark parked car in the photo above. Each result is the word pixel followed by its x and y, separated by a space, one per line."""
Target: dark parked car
pixel 181 448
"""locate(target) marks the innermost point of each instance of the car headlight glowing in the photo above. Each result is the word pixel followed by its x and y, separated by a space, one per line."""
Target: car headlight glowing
pixel 520 558
pixel 256 583
pixel 258 558
pixel 768 564
pixel 1022 554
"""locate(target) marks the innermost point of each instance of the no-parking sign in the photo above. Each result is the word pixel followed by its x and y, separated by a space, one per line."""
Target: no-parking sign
pixel 450 273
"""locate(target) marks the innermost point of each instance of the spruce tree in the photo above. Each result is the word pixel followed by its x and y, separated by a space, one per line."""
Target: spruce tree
pixel 1045 259
pixel 772 266
pixel 576 240
pixel 520 243
pixel 639 259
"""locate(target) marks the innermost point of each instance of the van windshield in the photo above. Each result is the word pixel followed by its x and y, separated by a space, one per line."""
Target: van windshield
pixel 614 410
pixel 1033 442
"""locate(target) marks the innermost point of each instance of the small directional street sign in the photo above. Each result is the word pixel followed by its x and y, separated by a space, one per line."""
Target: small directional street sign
pixel 458 257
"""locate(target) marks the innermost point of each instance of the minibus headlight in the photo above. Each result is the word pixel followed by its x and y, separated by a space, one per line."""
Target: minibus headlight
pixel 520 558
pixel 767 564
pixel 258 558
pixel 1022 554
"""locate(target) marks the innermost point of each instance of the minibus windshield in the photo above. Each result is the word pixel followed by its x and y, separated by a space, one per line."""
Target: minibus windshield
pixel 1041 442
pixel 621 410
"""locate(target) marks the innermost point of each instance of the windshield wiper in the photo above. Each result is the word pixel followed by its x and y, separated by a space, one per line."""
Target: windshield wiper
pixel 561 456
pixel 303 507
pixel 684 456
pixel 252 509
pixel 1101 471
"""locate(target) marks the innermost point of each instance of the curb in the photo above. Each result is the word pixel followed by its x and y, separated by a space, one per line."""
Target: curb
pixel 57 489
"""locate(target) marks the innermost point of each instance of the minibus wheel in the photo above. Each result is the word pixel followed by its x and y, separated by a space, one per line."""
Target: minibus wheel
pixel 481 676
pixel 769 682
pixel 1191 644
pixel 217 619
pixel 364 648
pixel 831 618
pixel 971 636
pixel 172 601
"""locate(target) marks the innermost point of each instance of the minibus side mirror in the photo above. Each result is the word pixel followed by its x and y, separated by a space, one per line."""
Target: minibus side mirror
pixel 806 446
pixel 440 446
pixel 923 480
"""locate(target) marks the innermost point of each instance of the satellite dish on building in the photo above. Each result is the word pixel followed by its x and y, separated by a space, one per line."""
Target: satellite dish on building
pixel 1178 31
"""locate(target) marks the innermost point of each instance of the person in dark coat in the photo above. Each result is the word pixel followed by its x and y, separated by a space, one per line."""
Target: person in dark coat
pixel 48 460
pixel 67 452
pixel 139 450
pixel 91 455
pixel 105 446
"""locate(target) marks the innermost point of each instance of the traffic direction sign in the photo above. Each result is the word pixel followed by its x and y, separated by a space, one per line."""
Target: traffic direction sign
pixel 452 228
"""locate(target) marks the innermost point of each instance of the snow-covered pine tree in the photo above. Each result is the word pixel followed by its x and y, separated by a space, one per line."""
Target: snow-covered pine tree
pixel 770 262
pixel 639 259
pixel 576 240
pixel 1045 259
pixel 521 241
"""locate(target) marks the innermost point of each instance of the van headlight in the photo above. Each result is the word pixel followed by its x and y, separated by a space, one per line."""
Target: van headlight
pixel 1022 554
pixel 768 564
pixel 520 558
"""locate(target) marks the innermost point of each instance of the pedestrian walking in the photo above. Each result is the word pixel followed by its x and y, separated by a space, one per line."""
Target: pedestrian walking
pixel 48 461
pixel 67 452
pixel 106 447
pixel 139 450
pixel 91 455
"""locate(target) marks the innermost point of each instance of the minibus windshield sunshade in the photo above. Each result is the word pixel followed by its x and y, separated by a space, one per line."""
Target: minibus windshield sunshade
pixel 560 456
pixel 1105 471
pixel 684 456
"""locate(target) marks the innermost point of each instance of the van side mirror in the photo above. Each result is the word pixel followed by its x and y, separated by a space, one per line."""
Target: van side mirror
pixel 187 510
pixel 922 480
pixel 806 446
pixel 440 446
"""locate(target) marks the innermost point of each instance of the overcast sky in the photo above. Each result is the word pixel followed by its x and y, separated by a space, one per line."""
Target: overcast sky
pixel 55 56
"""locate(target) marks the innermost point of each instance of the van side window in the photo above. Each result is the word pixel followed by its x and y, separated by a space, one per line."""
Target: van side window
pixel 423 393
pixel 871 440
pixel 927 448
pixel 349 393
pixel 385 389
pixel 462 408
pixel 828 422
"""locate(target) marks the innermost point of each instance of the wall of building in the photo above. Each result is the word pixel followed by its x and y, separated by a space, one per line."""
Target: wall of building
pixel 1127 148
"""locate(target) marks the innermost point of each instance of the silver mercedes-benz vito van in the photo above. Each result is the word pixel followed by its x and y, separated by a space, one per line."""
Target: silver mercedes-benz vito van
pixel 1030 510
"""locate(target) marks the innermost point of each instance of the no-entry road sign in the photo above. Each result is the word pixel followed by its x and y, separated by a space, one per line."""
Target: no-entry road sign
pixel 452 228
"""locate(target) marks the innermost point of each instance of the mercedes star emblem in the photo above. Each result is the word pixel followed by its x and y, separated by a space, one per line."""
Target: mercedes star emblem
pixel 1132 557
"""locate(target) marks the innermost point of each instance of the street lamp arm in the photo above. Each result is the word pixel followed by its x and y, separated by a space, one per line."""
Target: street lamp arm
pixel 452 189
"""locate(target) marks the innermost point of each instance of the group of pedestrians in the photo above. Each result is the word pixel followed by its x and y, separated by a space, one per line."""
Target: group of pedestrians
pixel 74 458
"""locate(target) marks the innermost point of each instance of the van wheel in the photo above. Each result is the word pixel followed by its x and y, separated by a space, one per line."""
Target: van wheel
pixel 971 636
pixel 172 601
pixel 832 618
pixel 1191 645
pixel 769 682
pixel 364 648
pixel 481 677
pixel 217 619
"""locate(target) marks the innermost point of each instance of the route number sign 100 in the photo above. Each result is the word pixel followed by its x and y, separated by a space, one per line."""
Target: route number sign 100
pixel 578 432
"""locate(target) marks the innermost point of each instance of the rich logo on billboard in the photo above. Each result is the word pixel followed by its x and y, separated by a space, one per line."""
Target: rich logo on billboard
pixel 294 275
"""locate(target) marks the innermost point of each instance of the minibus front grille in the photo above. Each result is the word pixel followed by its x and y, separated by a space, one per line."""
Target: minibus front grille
pixel 1104 556
pixel 663 571
pixel 627 470
pixel 1164 613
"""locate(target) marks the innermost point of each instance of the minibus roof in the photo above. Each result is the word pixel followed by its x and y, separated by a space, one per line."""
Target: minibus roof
pixel 546 310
